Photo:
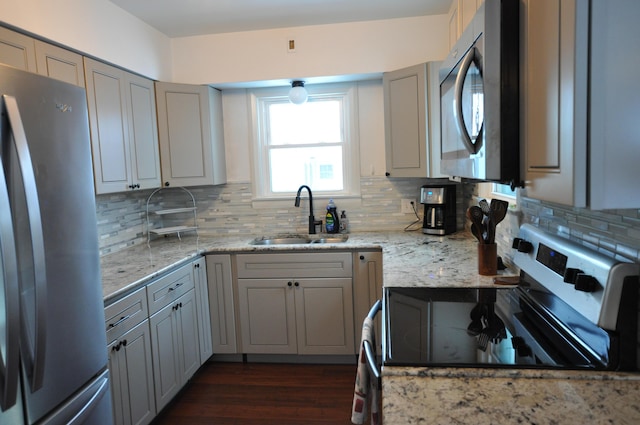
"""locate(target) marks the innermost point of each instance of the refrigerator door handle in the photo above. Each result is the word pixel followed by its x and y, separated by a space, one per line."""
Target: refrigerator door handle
pixel 9 365
pixel 34 356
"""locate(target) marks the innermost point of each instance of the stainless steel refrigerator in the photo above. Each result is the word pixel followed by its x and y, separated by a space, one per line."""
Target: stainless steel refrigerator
pixel 53 368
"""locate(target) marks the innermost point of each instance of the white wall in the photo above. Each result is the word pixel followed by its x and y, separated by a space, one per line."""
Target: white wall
pixel 321 50
pixel 97 28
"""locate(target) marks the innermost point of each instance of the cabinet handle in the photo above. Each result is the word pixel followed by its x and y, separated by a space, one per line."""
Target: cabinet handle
pixel 124 343
pixel 122 319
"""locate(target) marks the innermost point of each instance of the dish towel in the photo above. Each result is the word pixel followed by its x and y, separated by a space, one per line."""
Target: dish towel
pixel 366 390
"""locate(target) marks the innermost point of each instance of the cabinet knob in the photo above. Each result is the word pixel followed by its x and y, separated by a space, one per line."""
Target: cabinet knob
pixel 167 184
pixel 387 174
pixel 362 257
pixel 297 284
pixel 289 283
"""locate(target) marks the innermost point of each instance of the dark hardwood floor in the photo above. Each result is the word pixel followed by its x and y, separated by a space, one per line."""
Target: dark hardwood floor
pixel 252 393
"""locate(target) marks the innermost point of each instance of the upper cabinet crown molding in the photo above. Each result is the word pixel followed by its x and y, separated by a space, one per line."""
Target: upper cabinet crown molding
pixel 191 135
pixel 412 121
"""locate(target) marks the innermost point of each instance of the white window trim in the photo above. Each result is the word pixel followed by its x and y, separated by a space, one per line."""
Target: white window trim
pixel 351 159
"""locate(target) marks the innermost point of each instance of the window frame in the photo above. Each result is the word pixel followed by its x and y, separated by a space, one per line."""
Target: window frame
pixel 259 100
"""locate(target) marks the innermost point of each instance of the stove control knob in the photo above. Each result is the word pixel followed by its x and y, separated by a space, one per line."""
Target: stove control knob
pixel 586 283
pixel 571 274
pixel 525 247
pixel 516 242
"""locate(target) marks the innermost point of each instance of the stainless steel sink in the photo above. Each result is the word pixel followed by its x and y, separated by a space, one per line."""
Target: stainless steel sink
pixel 297 240
pixel 280 241
pixel 330 240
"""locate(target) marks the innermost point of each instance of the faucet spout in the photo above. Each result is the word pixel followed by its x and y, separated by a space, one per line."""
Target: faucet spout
pixel 312 220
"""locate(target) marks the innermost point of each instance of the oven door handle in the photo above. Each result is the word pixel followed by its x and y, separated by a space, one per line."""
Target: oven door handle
pixel 369 350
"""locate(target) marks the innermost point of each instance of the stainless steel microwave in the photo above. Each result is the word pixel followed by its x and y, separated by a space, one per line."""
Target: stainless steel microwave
pixel 479 98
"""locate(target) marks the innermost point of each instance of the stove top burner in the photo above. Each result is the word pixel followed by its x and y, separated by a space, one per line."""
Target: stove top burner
pixel 573 308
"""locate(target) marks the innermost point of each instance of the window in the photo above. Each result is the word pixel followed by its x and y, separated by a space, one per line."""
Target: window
pixel 314 143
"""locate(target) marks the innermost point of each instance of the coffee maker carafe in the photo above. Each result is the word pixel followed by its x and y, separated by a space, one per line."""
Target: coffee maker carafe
pixel 439 209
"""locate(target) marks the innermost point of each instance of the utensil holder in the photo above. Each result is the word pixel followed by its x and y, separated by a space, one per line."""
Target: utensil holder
pixel 487 259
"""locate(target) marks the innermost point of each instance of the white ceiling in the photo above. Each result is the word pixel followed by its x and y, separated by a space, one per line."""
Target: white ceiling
pixel 180 18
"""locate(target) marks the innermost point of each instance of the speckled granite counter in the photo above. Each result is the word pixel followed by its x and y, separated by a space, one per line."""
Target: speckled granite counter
pixel 409 258
pixel 503 396
pixel 415 395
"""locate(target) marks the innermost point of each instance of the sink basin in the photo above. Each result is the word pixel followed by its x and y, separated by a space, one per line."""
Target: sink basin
pixel 330 240
pixel 280 241
pixel 297 240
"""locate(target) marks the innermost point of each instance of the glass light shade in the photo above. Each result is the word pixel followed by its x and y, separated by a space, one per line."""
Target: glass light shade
pixel 298 94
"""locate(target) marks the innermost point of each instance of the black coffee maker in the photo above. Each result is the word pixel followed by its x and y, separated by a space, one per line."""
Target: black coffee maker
pixel 439 209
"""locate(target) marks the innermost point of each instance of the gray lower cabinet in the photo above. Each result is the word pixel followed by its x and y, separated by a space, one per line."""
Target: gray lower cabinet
pixel 367 283
pixel 202 298
pixel 174 332
pixel 130 364
pixel 298 303
pixel 221 304
pixel 158 337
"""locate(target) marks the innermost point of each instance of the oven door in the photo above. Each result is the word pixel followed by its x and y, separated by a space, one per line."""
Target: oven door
pixel 462 115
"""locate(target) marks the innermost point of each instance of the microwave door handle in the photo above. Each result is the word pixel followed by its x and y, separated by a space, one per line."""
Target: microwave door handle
pixel 34 357
pixel 457 110
pixel 9 364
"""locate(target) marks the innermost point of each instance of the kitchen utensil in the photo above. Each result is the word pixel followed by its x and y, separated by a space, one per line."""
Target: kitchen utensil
pixel 475 214
pixel 484 206
pixel 475 327
pixel 477 232
pixel 497 212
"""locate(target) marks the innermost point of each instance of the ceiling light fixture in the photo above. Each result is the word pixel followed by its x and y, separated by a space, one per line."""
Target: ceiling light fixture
pixel 298 94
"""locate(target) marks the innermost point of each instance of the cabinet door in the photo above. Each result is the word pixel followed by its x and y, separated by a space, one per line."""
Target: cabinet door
pixel 143 132
pixel 106 93
pixel 324 316
pixel 405 121
pixel 191 137
pixel 164 349
pixel 204 315
pixel 267 316
pixel 367 286
pixel 221 305
pixel 59 63
pixel 187 336
pixel 132 377
pixel 554 101
pixel 175 347
pixel 118 394
pixel 17 50
pixel 136 353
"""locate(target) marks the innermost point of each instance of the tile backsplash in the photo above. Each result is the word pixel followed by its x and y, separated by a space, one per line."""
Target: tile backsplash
pixel 228 209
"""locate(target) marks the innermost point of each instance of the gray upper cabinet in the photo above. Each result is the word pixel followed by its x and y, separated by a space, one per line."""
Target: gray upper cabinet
pixel 412 121
pixel 580 88
pixel 17 50
pixel 191 135
pixel 123 129
pixel 59 63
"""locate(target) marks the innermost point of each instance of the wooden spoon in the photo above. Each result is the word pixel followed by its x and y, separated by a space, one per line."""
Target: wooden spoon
pixel 475 214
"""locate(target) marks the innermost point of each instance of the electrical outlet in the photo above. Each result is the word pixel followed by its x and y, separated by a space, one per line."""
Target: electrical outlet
pixel 406 207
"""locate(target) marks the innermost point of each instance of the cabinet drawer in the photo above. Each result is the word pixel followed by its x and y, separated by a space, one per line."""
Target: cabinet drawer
pixel 268 265
pixel 170 287
pixel 125 314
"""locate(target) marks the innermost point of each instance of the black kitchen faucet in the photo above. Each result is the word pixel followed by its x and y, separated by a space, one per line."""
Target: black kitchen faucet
pixel 312 220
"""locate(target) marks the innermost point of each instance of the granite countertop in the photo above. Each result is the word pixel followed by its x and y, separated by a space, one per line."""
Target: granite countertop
pixel 409 258
pixel 508 396
pixel 414 395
